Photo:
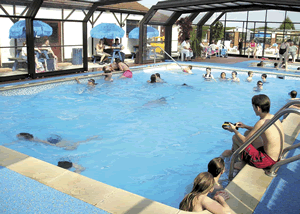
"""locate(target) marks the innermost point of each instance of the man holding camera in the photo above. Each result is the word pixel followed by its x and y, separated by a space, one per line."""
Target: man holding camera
pixel 266 149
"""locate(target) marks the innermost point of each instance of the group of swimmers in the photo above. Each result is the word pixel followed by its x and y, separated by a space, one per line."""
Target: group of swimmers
pixel 234 78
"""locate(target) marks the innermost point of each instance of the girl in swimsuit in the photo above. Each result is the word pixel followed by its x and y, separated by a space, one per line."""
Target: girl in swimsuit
pixel 125 68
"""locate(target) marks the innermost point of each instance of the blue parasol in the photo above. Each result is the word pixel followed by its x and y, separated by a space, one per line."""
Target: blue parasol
pixel 108 31
pixel 40 29
pixel 151 32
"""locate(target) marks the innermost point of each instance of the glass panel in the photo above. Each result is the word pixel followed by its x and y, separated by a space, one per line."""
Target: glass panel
pixel 184 15
pixel 234 32
pixel 159 41
pixel 77 15
pixel 47 13
pixel 13 54
pixel 212 18
pixel 161 16
pixel 198 18
pixel 259 36
pixel 130 25
pixel 61 51
pixel 10 10
pixel 276 16
pixel 257 15
pixel 237 16
pixel 294 16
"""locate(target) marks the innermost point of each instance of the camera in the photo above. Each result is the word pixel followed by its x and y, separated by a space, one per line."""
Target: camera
pixel 226 125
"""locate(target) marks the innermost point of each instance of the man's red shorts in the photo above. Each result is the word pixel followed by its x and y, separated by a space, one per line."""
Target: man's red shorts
pixel 257 157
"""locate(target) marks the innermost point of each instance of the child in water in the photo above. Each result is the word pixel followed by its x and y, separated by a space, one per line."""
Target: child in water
pixel 208 75
pixel 197 200
pixel 216 167
pixel 250 75
pixel 188 69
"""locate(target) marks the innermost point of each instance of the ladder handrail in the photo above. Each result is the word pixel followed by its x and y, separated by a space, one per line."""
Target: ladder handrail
pixel 290 103
pixel 168 56
pixel 273 171
pixel 288 149
pixel 259 132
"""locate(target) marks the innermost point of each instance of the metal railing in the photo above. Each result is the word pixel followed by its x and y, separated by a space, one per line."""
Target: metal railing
pixel 168 56
pixel 280 113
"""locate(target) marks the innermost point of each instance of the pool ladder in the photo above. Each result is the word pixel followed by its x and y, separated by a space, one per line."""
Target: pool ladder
pixel 273 171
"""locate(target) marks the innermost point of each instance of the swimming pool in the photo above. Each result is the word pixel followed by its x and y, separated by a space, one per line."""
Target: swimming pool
pixel 149 139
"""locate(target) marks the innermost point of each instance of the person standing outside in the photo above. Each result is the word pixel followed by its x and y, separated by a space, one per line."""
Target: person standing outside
pixel 284 54
pixel 240 46
pixel 293 51
pixel 186 49
pixel 118 45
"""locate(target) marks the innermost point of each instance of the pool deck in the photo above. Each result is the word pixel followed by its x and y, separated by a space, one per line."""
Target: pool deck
pixel 29 185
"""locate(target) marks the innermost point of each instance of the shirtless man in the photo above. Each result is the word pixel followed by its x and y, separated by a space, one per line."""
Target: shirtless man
pixel 265 150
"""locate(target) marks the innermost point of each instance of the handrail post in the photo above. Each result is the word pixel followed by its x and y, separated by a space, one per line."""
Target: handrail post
pixel 260 131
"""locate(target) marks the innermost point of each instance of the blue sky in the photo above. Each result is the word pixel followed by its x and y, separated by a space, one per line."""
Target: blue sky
pixel 148 3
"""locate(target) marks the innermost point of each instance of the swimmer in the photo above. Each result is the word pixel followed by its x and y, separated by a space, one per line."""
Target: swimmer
pixel 197 200
pixel 275 65
pixel 250 75
pixel 68 164
pixel 125 68
pixel 293 95
pixel 152 79
pixel 108 73
pixel 91 82
pixel 158 79
pixel 223 76
pixel 54 140
pixel 234 77
pixel 216 167
pixel 264 77
pixel 188 69
pixel 259 86
pixel 260 64
pixel 208 75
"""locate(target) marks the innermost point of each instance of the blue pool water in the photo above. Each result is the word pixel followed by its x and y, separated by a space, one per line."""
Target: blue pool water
pixel 149 139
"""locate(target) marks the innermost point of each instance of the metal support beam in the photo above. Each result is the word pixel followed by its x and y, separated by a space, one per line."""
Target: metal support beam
pixel 193 16
pixel 97 18
pixel 32 11
pixel 172 19
pixel 84 36
pixel 201 23
pixel 168 39
pixel 69 14
pixel 143 34
pixel 7 14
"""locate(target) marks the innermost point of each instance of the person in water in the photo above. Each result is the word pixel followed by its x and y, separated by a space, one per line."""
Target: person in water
pixel 264 77
pixel 250 75
pixel 152 79
pixel 108 73
pixel 223 76
pixel 197 200
pixel 54 140
pixel 188 69
pixel 216 167
pixel 259 86
pixel 208 75
pixel 125 68
pixel 91 82
pixel 234 77
pixel 158 79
